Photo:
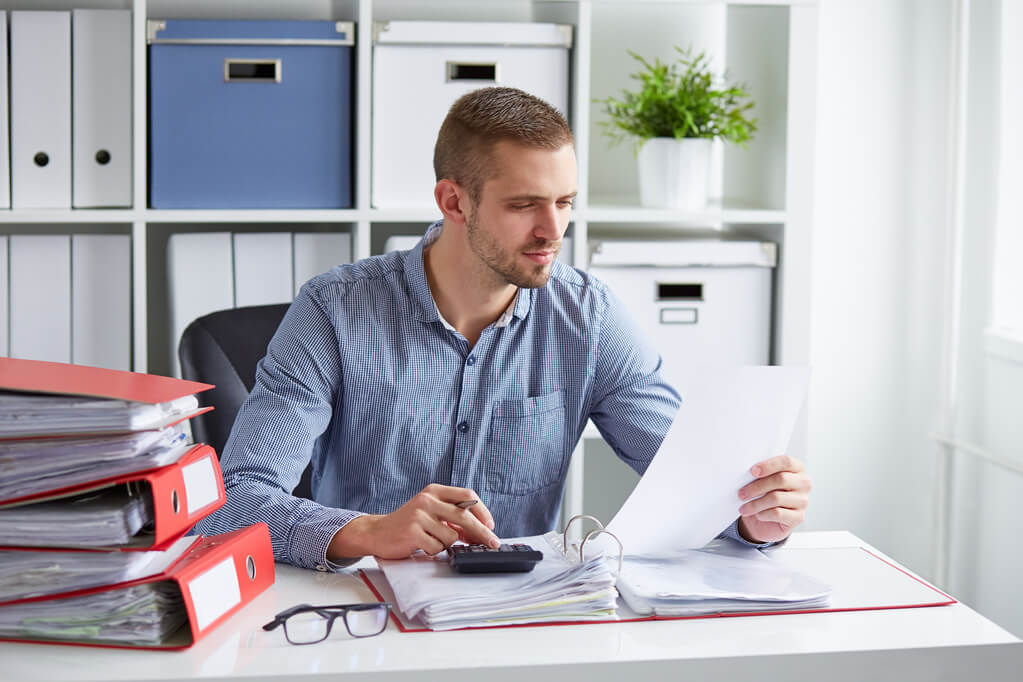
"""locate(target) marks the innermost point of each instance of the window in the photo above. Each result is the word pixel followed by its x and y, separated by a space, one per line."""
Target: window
pixel 1007 309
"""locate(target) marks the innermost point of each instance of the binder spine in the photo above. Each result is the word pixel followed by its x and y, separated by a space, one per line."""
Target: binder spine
pixel 184 494
pixel 223 575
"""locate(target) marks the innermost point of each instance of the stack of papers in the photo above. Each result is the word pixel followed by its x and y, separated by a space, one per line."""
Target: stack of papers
pixel 724 577
pixel 23 415
pixel 35 465
pixel 24 575
pixel 141 615
pixel 109 517
pixel 427 591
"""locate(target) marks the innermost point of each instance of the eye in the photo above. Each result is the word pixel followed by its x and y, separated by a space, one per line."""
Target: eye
pixel 566 203
pixel 521 207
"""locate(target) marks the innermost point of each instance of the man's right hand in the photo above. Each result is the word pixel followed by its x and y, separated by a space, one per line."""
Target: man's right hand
pixel 430 521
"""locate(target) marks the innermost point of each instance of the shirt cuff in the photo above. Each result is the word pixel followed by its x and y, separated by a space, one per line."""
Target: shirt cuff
pixel 312 535
pixel 733 532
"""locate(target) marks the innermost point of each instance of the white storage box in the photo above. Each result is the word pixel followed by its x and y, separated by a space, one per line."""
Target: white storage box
pixel 706 302
pixel 421 67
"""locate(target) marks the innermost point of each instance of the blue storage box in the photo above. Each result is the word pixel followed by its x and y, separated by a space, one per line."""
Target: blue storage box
pixel 250 114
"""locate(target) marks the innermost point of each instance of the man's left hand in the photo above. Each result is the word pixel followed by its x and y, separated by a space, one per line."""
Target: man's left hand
pixel 776 501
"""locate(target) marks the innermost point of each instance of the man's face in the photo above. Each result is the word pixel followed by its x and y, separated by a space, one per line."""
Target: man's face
pixel 516 228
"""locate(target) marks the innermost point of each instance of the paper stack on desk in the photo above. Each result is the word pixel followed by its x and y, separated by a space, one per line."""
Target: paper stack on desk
pixel 98 461
pixel 723 577
pixel 558 589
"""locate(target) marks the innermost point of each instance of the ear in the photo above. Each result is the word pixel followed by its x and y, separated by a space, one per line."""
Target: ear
pixel 452 200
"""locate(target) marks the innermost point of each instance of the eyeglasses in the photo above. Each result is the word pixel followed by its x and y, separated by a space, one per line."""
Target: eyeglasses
pixel 305 624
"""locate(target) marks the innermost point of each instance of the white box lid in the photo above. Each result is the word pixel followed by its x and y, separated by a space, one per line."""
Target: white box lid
pixel 507 33
pixel 616 253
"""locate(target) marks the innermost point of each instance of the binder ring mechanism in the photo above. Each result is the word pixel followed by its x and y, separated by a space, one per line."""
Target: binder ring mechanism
pixel 592 534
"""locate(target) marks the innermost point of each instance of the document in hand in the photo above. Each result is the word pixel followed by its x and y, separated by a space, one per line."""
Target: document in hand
pixel 730 419
pixel 429 593
pixel 53 398
pixel 168 609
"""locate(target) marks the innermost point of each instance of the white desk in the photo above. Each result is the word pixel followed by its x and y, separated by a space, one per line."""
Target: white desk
pixel 947 642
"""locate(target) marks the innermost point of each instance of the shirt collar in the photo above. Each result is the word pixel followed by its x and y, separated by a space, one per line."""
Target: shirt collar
pixel 416 269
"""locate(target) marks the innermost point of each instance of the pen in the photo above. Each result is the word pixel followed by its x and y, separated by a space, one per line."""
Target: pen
pixel 465 504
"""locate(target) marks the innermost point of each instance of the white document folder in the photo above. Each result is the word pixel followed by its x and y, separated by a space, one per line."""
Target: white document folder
pixel 40 109
pixel 317 252
pixel 262 268
pixel 4 297
pixel 5 152
pixel 40 271
pixel 101 300
pixel 200 279
pixel 101 93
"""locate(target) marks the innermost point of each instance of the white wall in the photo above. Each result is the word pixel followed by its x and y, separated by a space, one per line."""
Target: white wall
pixel 877 258
pixel 879 309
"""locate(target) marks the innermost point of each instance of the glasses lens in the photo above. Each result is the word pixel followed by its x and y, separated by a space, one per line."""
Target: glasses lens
pixel 366 622
pixel 306 627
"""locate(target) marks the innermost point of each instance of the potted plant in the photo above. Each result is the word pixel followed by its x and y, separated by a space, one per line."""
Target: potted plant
pixel 679 110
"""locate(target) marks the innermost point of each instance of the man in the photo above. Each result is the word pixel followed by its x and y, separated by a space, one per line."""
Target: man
pixel 462 370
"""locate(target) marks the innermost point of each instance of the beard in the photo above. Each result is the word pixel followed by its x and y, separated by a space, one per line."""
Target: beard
pixel 505 265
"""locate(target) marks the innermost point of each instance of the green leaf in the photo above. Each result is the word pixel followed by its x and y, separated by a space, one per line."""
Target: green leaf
pixel 679 99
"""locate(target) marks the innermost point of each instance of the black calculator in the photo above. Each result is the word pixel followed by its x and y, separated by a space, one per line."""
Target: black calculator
pixel 482 559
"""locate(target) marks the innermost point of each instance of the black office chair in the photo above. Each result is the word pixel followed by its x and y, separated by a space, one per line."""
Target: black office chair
pixel 223 348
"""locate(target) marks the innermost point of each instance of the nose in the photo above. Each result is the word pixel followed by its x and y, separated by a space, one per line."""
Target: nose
pixel 548 224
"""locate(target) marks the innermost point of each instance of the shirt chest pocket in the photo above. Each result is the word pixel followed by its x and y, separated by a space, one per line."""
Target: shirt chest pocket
pixel 526 447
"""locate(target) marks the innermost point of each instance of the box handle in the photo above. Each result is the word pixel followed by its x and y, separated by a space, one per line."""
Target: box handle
pixel 472 71
pixel 252 70
pixel 672 291
pixel 680 316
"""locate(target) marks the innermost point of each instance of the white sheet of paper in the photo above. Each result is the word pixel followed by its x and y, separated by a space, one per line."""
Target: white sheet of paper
pixel 730 419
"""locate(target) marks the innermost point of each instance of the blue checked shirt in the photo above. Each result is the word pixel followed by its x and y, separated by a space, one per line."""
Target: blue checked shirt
pixel 367 380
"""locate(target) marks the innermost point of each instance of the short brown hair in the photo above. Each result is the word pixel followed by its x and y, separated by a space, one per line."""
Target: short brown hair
pixel 478 120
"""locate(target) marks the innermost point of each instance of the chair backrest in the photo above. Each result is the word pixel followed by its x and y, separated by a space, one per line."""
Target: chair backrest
pixel 223 348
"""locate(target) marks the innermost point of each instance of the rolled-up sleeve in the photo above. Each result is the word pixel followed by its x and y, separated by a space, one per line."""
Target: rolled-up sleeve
pixel 275 434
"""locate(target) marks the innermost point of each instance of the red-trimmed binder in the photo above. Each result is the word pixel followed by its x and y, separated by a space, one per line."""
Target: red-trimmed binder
pixel 216 578
pixel 377 584
pixel 60 378
pixel 182 493
pixel 63 379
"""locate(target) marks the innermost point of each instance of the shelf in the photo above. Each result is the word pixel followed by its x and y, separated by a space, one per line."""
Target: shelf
pixel 290 215
pixel 716 213
pixel 734 3
pixel 67 215
pixel 404 215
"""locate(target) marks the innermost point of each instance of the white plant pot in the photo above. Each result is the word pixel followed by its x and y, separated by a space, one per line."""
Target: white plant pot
pixel 674 173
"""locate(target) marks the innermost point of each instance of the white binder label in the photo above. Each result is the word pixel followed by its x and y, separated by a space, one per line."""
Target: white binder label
pixel 215 592
pixel 201 489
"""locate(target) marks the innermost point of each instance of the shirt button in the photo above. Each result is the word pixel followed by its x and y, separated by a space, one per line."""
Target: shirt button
pixel 321 567
pixel 463 427
pixel 471 360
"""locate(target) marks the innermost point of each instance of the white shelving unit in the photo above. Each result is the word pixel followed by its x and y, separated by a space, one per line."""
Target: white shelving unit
pixel 765 191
